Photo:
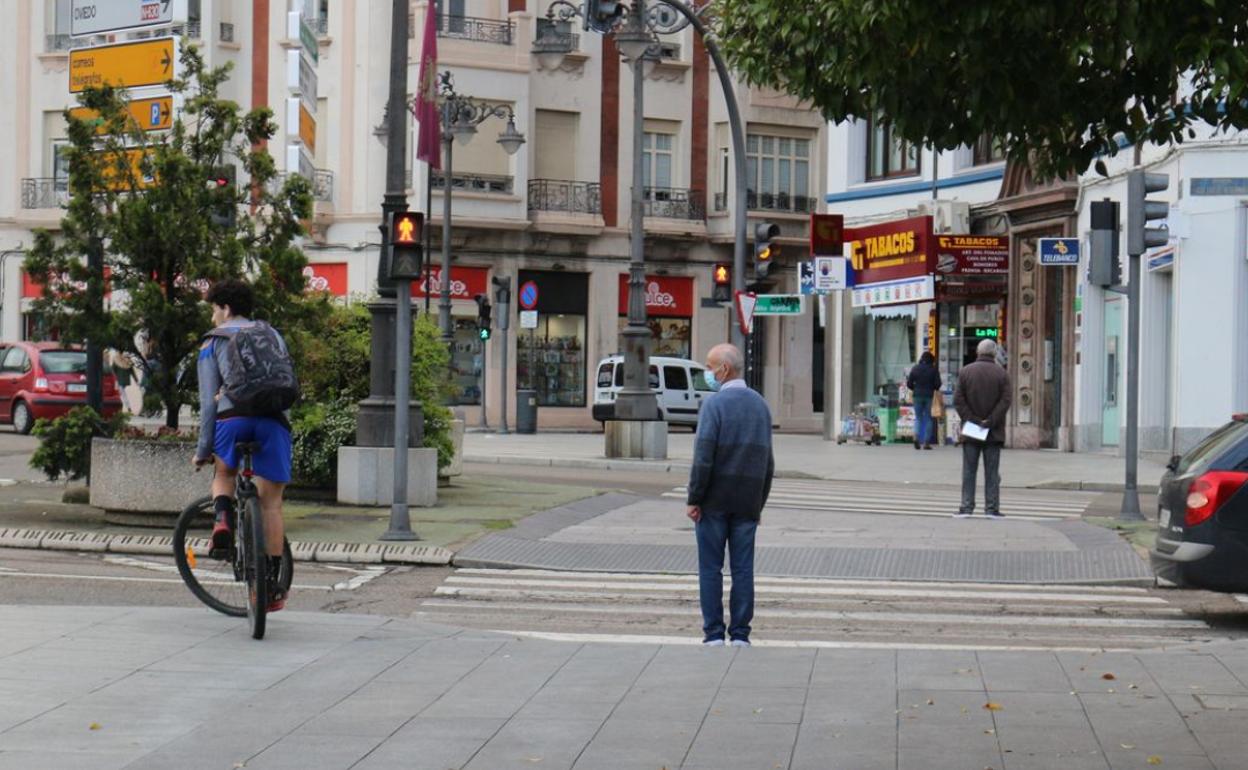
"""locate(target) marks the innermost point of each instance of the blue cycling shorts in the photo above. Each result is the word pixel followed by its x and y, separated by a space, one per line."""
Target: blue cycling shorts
pixel 272 461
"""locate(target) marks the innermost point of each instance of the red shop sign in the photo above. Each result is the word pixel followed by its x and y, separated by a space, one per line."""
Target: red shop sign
pixel 466 283
pixel 892 250
pixel 328 277
pixel 33 289
pixel 666 296
pixel 973 254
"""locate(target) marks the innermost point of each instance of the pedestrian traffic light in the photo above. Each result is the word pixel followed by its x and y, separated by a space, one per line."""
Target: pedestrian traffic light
pixel 765 252
pixel 406 252
pixel 1103 263
pixel 224 209
pixel 601 15
pixel 722 276
pixel 483 316
pixel 1140 211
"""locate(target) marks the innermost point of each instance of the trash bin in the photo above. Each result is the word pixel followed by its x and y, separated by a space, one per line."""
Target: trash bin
pixel 526 411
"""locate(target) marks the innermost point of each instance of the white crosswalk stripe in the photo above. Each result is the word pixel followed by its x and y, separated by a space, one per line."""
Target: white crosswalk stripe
pixel 903 500
pixel 818 612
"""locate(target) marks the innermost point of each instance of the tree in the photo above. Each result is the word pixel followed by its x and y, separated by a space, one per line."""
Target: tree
pixel 151 204
pixel 1062 81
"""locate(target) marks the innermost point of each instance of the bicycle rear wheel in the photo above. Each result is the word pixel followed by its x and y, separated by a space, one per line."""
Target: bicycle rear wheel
pixel 212 581
pixel 255 563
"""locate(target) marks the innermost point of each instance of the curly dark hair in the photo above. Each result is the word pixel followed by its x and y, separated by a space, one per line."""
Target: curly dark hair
pixel 237 295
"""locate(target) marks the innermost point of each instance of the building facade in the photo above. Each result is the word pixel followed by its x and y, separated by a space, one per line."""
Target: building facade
pixel 555 215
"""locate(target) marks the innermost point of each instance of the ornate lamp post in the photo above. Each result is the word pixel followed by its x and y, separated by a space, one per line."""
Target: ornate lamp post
pixel 460 117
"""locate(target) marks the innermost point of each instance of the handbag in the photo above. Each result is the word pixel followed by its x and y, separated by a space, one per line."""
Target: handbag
pixel 938 406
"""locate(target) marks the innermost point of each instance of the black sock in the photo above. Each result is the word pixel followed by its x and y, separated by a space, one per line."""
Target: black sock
pixel 223 505
pixel 275 566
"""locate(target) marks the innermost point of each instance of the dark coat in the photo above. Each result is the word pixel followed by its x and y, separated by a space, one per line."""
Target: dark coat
pixel 924 380
pixel 983 397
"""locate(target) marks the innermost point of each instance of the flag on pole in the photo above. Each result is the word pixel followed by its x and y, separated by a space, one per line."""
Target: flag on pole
pixel 429 136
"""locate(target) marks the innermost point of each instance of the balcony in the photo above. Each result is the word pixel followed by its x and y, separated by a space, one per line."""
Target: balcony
pixel 572 41
pixel 565 196
pixel 675 203
pixel 45 192
pixel 782 202
pixel 320 25
pixel 477 183
pixel 322 185
pixel 471 28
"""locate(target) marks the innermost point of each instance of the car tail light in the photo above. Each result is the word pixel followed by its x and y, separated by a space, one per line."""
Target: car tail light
pixel 41 384
pixel 1209 492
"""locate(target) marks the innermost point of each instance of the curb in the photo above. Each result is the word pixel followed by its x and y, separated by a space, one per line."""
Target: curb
pixel 154 545
pixel 1094 486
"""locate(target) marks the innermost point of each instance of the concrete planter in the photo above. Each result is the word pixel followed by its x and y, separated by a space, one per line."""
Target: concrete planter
pixel 456 468
pixel 145 476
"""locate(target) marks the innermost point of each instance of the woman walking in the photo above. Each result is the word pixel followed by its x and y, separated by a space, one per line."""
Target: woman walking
pixel 924 382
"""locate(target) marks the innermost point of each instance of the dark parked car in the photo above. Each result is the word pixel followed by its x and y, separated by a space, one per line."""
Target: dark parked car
pixel 46 379
pixel 1202 528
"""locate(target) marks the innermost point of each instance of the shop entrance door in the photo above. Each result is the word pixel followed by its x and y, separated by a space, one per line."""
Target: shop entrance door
pixel 1115 349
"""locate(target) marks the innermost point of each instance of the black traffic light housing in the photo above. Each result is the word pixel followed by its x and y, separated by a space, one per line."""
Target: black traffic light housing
pixel 765 251
pixel 722 278
pixel 1140 211
pixel 221 187
pixel 1104 267
pixel 406 251
pixel 601 15
pixel 483 316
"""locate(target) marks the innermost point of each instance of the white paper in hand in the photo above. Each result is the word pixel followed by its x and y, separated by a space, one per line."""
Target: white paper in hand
pixel 971 430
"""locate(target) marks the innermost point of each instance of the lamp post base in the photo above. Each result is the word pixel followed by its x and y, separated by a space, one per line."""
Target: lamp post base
pixel 636 439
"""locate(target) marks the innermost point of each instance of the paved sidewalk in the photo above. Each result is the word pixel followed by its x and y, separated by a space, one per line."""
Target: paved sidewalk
pixel 801 455
pixel 153 688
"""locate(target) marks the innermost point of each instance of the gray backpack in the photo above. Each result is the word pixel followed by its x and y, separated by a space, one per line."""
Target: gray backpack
pixel 260 378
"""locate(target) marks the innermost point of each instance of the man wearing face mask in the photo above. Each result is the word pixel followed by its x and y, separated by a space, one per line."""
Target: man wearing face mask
pixel 728 486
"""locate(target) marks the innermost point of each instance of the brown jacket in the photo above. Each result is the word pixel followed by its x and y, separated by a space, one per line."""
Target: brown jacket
pixel 983 397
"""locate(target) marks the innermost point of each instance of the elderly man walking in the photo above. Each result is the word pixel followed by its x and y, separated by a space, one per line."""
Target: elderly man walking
pixel 982 398
pixel 728 487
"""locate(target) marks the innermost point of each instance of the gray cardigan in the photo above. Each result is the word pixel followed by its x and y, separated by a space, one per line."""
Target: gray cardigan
pixel 732 460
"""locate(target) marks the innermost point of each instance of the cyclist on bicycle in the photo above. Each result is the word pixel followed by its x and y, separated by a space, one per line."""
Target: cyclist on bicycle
pixel 223 425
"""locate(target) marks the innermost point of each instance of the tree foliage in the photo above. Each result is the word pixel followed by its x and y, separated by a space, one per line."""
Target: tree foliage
pixel 1064 81
pixel 145 200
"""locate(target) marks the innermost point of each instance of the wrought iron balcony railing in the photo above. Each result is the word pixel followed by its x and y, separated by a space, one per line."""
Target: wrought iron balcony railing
pixel 470 28
pixel 484 183
pixel 782 202
pixel 572 40
pixel 675 203
pixel 45 192
pixel 320 25
pixel 566 196
pixel 322 184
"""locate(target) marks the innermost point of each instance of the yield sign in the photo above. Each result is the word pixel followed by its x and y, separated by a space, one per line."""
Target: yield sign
pixel 746 301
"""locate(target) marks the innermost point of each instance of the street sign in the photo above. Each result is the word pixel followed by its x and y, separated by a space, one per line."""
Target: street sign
pixel 155 114
pixel 297 29
pixel 1059 251
pixel 124 65
pixel 746 302
pixel 827 235
pixel 806 278
pixel 299 161
pixel 301 79
pixel 528 319
pixel 780 304
pixel 94 17
pixel 121 180
pixel 300 125
pixel 528 295
pixel 830 274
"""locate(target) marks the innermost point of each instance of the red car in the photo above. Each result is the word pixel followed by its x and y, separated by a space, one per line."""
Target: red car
pixel 46 379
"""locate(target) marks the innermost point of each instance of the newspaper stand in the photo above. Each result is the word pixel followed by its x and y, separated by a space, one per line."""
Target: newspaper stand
pixel 861 425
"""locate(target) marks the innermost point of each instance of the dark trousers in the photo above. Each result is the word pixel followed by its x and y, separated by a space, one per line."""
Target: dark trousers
pixel 714 531
pixel 924 428
pixel 971 452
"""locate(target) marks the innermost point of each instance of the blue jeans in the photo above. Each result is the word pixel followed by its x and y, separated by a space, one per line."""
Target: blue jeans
pixel 714 531
pixel 924 430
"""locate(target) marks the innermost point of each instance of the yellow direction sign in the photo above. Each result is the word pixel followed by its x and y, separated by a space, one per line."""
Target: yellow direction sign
pixel 307 128
pixel 124 65
pixel 119 180
pixel 155 114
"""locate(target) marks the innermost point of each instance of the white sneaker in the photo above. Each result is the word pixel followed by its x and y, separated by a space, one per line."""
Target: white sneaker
pixel 961 515
pixel 740 643
pixel 713 643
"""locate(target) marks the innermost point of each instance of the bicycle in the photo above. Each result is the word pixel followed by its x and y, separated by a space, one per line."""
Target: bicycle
pixel 236 582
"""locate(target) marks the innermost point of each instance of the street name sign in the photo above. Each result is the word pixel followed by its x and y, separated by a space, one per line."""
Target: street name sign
pixel 1059 251
pixel 94 17
pixel 124 65
pixel 780 304
pixel 154 114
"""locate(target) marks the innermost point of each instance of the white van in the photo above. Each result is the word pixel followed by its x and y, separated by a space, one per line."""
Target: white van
pixel 678 383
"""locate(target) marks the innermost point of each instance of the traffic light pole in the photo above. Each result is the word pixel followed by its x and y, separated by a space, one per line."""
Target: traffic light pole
pixel 485 420
pixel 1130 492
pixel 502 306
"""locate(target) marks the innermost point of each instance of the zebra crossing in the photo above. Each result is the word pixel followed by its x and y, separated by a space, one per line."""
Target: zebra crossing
pixel 814 612
pixel 912 500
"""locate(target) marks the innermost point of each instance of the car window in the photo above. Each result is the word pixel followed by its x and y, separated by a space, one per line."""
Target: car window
pixel 699 381
pixel 604 375
pixel 654 377
pixel 1204 454
pixel 619 375
pixel 14 360
pixel 63 361
pixel 675 378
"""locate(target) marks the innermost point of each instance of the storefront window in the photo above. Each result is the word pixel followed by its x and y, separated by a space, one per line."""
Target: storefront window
pixel 669 314
pixel 668 336
pixel 466 360
pixel 551 360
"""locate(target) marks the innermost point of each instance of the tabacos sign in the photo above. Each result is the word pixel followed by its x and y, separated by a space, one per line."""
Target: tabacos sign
pixel 892 250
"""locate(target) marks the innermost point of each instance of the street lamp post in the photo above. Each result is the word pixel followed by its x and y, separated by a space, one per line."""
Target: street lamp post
pixel 635 34
pixel 460 117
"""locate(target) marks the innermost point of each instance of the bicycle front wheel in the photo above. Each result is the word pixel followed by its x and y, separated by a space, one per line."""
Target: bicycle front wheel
pixel 211 580
pixel 255 564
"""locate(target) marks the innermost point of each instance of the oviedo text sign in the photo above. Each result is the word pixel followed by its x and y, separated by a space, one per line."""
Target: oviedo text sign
pixel 892 250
